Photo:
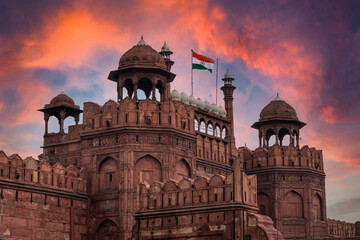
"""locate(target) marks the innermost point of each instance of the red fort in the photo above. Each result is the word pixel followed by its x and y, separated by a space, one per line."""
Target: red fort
pixel 165 167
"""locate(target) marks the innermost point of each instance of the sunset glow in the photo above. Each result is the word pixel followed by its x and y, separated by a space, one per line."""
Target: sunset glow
pixel 308 51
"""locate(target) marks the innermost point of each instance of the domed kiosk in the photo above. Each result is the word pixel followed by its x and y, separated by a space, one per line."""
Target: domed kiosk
pixel 280 119
pixel 142 67
pixel 61 106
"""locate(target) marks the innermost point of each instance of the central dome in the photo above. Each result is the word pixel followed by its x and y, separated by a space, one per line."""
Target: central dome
pixel 62 98
pixel 142 55
pixel 278 109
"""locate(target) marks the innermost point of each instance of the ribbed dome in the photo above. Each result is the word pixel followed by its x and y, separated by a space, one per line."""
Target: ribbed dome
pixel 184 98
pixel 62 98
pixel 278 109
pixel 142 55
pixel 175 95
pixel 192 101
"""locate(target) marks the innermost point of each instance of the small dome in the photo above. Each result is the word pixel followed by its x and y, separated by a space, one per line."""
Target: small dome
pixel 222 111
pixel 184 98
pixel 165 48
pixel 214 109
pixel 207 105
pixel 200 104
pixel 175 95
pixel 62 98
pixel 192 101
pixel 278 109
pixel 142 55
pixel 227 74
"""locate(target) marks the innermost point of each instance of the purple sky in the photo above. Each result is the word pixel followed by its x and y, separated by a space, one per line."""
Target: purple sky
pixel 308 51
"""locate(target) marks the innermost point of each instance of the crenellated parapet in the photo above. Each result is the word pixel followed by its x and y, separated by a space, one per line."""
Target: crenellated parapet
pixel 201 191
pixel 337 228
pixel 283 157
pixel 144 113
pixel 41 173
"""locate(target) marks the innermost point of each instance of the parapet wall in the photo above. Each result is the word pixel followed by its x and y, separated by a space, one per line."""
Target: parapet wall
pixel 283 156
pixel 201 191
pixel 337 228
pixel 42 173
pixel 41 201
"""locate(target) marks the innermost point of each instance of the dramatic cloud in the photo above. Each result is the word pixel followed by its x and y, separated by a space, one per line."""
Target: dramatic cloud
pixel 308 51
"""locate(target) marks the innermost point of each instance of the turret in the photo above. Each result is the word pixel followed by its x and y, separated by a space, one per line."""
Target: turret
pixel 144 68
pixel 165 53
pixel 61 106
pixel 280 119
pixel 228 90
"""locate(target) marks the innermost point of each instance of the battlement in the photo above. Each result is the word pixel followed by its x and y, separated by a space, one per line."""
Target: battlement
pixel 202 191
pixel 282 156
pixel 144 113
pixel 337 228
pixel 42 173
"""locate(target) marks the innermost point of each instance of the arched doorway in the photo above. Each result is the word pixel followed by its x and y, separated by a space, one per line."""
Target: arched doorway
pixel 108 230
pixel 182 170
pixel 292 206
pixel 108 175
pixel 264 204
pixel 317 207
pixel 147 170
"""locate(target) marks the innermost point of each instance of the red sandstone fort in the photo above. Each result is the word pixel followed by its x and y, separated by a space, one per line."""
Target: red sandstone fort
pixel 166 167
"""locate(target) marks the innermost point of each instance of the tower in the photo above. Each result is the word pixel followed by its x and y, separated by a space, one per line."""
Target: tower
pixel 61 107
pixel 278 118
pixel 228 90
pixel 144 68
pixel 291 180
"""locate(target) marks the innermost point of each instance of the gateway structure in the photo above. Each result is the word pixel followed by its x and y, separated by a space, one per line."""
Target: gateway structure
pixel 166 167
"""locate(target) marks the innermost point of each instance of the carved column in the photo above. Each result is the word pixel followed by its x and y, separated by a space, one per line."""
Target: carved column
pixel 77 119
pixel 135 91
pixel 153 93
pixel 259 139
pixel 297 141
pixel 46 118
pixel 62 117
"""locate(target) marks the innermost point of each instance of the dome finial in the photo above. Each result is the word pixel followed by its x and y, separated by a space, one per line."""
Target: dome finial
pixel 278 98
pixel 141 42
pixel 165 51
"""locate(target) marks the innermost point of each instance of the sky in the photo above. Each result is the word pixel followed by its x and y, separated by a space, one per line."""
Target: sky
pixel 307 51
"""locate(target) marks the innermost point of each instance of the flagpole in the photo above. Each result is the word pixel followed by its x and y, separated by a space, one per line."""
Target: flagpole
pixel 192 82
pixel 217 66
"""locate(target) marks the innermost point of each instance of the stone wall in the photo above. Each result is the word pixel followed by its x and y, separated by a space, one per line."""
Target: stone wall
pixel 283 156
pixel 41 201
pixel 337 228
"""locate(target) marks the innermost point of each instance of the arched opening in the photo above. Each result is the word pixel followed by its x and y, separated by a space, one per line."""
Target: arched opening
pixel 284 141
pixel 108 230
pixel 53 125
pixel 270 141
pixel 108 175
pixel 317 207
pixel 217 131
pixel 145 86
pixel 223 132
pixel 147 170
pixel 159 90
pixel 292 206
pixel 210 129
pixel 128 88
pixel 182 170
pixel 68 121
pixel 202 126
pixel 295 137
pixel 196 124
pixel 264 204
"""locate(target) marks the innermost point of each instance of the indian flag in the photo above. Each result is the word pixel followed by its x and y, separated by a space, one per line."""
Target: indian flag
pixel 202 62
